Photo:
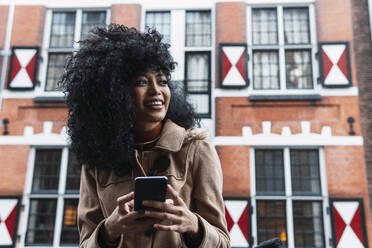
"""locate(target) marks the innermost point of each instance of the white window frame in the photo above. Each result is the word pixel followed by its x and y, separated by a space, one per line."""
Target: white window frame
pixel 313 46
pixel 45 51
pixel 60 196
pixel 288 197
pixel 178 47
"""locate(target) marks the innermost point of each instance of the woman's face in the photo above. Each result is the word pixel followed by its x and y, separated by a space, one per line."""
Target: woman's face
pixel 151 99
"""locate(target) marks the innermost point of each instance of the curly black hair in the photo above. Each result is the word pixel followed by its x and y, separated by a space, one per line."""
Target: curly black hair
pixel 97 82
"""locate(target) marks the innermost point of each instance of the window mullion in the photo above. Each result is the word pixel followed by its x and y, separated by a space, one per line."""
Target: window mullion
pixel 281 49
pixel 252 171
pixel 288 193
pixel 78 22
pixel 178 18
pixel 45 52
pixel 314 49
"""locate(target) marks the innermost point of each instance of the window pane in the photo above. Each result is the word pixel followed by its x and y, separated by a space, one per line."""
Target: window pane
pixel 264 26
pixel 46 171
pixel 69 234
pixel 41 221
pixel 197 72
pixel 305 172
pixel 265 70
pixel 271 221
pixel 269 172
pixel 92 19
pixel 296 25
pixel 298 66
pixel 161 22
pixel 308 224
pixel 200 103
pixel 73 174
pixel 63 26
pixel 198 28
pixel 56 64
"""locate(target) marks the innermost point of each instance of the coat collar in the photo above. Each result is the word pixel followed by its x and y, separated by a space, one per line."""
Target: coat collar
pixel 171 137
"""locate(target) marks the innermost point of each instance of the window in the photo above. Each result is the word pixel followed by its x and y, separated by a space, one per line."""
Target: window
pixel 195 42
pixel 65 28
pixel 281 48
pixel 53 199
pixel 288 197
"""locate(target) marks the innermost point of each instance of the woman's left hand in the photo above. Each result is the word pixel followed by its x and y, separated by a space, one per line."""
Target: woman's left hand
pixel 180 218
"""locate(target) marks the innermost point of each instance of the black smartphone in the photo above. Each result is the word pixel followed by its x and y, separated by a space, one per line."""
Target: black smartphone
pixel 149 188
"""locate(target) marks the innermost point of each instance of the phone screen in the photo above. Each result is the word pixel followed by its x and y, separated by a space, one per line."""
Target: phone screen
pixel 149 188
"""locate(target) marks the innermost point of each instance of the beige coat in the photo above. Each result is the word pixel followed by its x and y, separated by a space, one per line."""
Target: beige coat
pixel 194 172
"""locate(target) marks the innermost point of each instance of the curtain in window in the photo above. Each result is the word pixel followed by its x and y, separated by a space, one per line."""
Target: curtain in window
pixel 63 25
pixel 265 29
pixel 265 70
pixel 296 26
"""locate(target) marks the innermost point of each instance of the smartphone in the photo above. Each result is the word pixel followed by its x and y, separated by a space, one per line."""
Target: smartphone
pixel 149 188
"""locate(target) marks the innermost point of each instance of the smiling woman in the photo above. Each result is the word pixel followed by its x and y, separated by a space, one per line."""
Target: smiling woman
pixel 126 119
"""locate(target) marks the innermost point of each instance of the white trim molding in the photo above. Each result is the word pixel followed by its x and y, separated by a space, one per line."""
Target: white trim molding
pixel 45 138
pixel 286 138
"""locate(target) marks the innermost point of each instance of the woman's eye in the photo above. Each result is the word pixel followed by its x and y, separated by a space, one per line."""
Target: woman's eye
pixel 140 82
pixel 163 82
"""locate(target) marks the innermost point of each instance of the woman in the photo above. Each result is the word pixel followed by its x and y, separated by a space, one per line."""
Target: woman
pixel 125 121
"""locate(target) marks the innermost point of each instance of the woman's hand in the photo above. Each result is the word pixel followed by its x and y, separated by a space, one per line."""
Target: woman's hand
pixel 179 217
pixel 124 219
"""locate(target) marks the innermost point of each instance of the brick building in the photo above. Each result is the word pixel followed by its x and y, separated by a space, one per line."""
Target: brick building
pixel 277 83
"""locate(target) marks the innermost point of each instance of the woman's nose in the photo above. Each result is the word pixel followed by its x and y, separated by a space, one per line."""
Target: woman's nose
pixel 154 87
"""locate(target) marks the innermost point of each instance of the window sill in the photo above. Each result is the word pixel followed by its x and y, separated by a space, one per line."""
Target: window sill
pixel 307 97
pixel 49 99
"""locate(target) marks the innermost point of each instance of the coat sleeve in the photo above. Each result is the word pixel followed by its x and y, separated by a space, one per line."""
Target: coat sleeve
pixel 90 217
pixel 207 196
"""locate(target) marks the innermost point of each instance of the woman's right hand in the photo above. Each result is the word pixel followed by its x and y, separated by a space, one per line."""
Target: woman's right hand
pixel 124 219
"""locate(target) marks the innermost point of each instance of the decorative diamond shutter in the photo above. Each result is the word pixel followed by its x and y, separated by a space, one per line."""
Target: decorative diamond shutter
pixel 23 68
pixel 9 211
pixel 334 64
pixel 238 215
pixel 233 65
pixel 348 223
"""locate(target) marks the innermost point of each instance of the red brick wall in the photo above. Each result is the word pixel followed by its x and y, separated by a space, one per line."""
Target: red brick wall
pixel 346 176
pixel 330 111
pixel 334 23
pixel 230 26
pixel 3 24
pixel 235 168
pixel 127 14
pixel 24 112
pixel 13 167
pixel 363 61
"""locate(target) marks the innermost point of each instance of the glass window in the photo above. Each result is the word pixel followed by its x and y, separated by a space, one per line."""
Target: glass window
pixel 298 66
pixel 271 220
pixel 292 198
pixel 305 172
pixel 308 224
pixel 56 63
pixel 73 174
pixel 296 25
pixel 40 228
pixel 46 171
pixel 269 172
pixel 269 43
pixel 63 27
pixel 70 234
pixel 266 70
pixel 161 22
pixel 198 80
pixel 198 28
pixel 44 194
pixel 265 26
pixel 90 20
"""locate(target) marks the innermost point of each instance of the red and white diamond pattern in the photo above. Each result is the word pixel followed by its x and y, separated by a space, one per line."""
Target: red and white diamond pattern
pixel 237 217
pixel 335 64
pixel 23 68
pixel 8 212
pixel 234 72
pixel 348 224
